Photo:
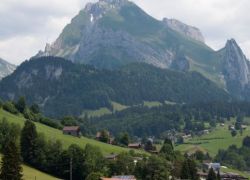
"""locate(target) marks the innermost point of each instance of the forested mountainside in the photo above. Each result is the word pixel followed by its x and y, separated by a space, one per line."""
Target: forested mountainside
pixel 61 87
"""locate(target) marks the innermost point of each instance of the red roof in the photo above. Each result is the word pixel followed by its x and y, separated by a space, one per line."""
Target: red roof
pixel 71 128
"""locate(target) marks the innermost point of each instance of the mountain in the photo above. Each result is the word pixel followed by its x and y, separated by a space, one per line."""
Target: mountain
pixel 186 30
pixel 236 70
pixel 61 87
pixel 6 68
pixel 112 33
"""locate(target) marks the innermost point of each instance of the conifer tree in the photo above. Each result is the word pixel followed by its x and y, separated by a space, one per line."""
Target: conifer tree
pixel 211 175
pixel 29 142
pixel 11 163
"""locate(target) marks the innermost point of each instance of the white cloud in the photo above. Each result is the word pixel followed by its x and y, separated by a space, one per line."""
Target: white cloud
pixel 26 25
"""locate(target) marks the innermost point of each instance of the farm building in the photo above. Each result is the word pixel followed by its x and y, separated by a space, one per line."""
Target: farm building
pixel 135 146
pixel 216 166
pixel 120 178
pixel 72 130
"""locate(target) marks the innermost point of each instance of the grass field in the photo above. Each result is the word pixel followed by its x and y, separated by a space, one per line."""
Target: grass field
pixel 33 174
pixel 54 134
pixel 151 104
pixel 30 173
pixel 220 138
pixel 104 110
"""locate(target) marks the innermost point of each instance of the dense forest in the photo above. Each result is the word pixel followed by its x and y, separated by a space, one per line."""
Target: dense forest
pixel 143 121
pixel 61 88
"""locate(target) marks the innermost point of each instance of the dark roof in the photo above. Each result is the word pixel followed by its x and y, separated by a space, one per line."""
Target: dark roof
pixel 71 128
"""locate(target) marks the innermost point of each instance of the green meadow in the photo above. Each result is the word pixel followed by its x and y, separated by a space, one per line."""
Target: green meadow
pixel 219 138
pixel 55 134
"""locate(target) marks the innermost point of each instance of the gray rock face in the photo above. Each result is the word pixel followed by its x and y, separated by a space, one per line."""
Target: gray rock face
pixel 189 31
pixel 101 46
pixel 97 10
pixel 181 63
pixel 6 68
pixel 236 67
pixel 118 47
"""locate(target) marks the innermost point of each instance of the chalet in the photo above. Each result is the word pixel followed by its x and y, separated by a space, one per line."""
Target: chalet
pixel 216 166
pixel 72 130
pixel 120 178
pixel 188 136
pixel 135 146
pixel 231 127
pixel 222 124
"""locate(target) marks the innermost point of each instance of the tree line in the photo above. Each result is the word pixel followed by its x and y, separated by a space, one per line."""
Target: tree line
pixel 189 118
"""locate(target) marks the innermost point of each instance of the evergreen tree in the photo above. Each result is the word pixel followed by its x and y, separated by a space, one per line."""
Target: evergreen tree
pixel 76 153
pixel 211 175
pixel 246 142
pixel 189 170
pixel 21 104
pixel 234 133
pixel 35 109
pixel 104 136
pixel 1 103
pixel 218 175
pixel 185 170
pixel 29 142
pixel 11 163
pixel 193 169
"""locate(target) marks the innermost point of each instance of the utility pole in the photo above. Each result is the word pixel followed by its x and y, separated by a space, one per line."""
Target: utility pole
pixel 71 169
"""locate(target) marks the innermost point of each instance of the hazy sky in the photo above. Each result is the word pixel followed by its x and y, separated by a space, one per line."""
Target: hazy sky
pixel 26 25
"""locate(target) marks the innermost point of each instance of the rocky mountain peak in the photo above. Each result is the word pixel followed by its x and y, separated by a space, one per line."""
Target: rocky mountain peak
pixel 6 68
pixel 236 64
pixel 97 10
pixel 189 31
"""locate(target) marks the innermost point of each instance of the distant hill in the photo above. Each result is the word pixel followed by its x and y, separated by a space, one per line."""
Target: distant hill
pixel 61 87
pixel 6 68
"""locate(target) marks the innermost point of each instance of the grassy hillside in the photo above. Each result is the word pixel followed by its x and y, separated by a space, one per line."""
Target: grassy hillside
pixel 220 138
pixel 55 134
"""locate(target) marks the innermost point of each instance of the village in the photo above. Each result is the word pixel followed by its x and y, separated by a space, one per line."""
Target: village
pixel 150 147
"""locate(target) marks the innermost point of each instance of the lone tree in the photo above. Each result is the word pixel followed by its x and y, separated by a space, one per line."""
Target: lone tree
pixel 246 142
pixel 234 133
pixel 29 142
pixel 11 164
